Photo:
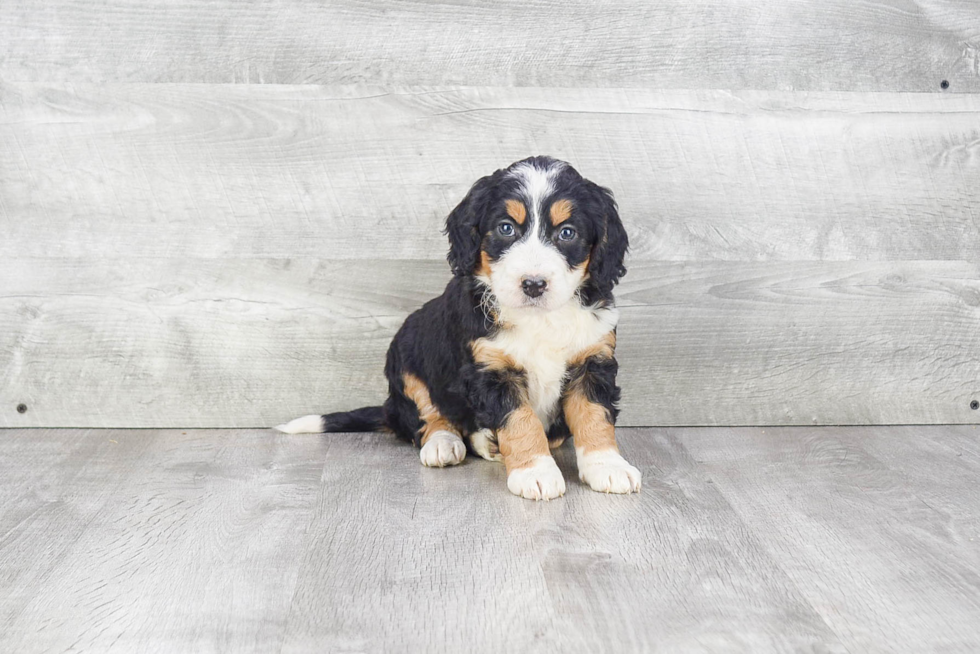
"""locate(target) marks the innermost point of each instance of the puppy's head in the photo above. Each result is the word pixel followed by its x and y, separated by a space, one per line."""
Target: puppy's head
pixel 537 233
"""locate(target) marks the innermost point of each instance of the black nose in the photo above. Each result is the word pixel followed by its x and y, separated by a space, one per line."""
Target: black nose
pixel 533 286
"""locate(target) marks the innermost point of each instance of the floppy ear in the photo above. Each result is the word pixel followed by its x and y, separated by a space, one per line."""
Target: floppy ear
pixel 606 263
pixel 463 226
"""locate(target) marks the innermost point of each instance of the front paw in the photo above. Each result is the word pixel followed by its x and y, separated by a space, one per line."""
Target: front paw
pixel 608 472
pixel 540 481
pixel 442 449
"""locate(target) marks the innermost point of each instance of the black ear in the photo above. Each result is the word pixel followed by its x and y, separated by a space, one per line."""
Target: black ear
pixel 606 264
pixel 463 226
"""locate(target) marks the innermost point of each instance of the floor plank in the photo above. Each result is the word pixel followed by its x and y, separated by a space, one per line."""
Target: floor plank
pixel 743 540
pixel 197 550
pixel 443 560
pixel 406 558
pixel 876 550
pixel 53 483
pixel 673 569
pixel 941 467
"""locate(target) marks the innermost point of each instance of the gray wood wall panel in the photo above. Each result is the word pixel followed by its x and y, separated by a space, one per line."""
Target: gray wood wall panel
pixel 178 250
pixel 893 45
pixel 352 172
pixel 226 342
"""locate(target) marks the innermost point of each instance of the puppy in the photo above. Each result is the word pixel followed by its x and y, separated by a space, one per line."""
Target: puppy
pixel 517 354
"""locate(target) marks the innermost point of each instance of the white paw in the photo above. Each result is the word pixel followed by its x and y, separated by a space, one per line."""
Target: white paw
pixel 442 449
pixel 483 444
pixel 540 481
pixel 608 472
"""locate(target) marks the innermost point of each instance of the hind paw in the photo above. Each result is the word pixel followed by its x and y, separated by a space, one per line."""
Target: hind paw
pixel 484 443
pixel 442 449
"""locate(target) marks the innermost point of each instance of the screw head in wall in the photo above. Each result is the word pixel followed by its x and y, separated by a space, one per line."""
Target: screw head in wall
pixel 21 408
pixel 975 405
pixel 944 84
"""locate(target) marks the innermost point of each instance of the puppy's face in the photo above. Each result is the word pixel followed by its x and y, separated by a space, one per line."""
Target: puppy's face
pixel 536 242
pixel 536 233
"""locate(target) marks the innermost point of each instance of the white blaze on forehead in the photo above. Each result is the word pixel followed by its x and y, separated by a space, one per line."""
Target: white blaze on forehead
pixel 536 185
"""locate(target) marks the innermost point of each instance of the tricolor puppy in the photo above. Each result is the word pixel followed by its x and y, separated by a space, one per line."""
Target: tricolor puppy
pixel 518 353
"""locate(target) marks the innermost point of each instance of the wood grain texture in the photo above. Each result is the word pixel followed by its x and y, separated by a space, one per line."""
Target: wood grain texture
pixel 940 468
pixel 744 540
pixel 705 581
pixel 429 556
pixel 800 343
pixel 283 171
pixel 870 531
pixel 444 561
pixel 53 484
pixel 893 45
pixel 223 342
pixel 196 548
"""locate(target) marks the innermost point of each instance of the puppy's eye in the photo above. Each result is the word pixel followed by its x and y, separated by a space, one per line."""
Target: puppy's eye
pixel 567 234
pixel 505 229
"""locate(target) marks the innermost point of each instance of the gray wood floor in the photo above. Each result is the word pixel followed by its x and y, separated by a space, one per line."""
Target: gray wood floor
pixel 750 540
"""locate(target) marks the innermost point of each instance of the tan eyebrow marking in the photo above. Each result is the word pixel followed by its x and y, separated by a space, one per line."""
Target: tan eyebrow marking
pixel 516 211
pixel 561 211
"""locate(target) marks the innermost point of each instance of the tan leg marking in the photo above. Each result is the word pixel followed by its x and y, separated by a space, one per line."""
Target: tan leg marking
pixel 522 439
pixel 599 463
pixel 560 211
pixel 433 421
pixel 516 211
pixel 589 423
pixel 522 442
pixel 531 472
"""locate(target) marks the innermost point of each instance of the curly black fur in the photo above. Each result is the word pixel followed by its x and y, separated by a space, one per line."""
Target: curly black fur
pixel 434 343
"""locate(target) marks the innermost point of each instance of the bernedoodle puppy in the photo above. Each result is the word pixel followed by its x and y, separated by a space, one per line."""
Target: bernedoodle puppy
pixel 517 354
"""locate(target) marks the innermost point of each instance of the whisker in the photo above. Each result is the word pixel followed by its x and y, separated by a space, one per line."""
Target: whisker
pixel 488 303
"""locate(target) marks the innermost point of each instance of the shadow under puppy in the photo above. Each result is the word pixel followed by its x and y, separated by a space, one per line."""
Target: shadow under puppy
pixel 517 354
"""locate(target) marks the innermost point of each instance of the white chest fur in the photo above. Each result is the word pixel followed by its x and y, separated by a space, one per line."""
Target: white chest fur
pixel 543 342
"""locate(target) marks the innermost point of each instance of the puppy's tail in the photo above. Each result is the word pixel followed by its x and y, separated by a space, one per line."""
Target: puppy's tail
pixel 369 418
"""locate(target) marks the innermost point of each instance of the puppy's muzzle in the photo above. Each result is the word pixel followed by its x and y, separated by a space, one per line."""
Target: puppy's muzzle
pixel 534 286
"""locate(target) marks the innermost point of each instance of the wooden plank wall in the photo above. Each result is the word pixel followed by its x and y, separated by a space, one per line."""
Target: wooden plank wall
pixel 216 214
